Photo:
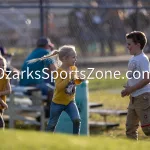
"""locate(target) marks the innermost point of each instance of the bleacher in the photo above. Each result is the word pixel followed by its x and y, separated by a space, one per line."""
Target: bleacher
pixel 94 109
pixel 27 108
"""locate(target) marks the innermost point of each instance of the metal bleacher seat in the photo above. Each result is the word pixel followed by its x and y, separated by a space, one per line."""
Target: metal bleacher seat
pixel 25 107
pixel 104 113
pixel 107 125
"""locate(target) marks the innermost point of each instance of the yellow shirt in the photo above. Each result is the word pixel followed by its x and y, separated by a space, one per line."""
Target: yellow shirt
pixel 60 96
pixel 3 84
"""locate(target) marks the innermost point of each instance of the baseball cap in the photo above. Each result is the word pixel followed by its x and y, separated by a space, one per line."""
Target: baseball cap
pixel 43 41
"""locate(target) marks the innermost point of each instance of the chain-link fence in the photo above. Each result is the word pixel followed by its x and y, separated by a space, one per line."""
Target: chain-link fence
pixel 96 28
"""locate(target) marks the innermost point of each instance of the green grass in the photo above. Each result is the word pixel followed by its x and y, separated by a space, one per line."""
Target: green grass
pixel 109 99
pixel 103 91
pixel 29 140
pixel 104 84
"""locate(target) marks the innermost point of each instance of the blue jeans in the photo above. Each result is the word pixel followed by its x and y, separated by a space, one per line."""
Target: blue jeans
pixel 71 109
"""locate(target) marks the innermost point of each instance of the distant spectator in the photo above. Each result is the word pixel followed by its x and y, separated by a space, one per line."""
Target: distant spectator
pixel 95 22
pixel 44 47
pixel 99 22
pixel 137 19
pixel 78 29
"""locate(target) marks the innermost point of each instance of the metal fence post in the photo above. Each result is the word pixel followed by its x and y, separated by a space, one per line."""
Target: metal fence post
pixel 41 18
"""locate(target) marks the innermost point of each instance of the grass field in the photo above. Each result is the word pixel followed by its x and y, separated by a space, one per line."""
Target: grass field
pixel 103 91
pixel 25 140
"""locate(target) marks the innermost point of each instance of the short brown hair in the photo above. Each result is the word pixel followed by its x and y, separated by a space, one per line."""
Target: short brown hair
pixel 137 37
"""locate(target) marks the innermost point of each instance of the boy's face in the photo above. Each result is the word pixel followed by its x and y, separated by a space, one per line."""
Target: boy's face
pixel 132 47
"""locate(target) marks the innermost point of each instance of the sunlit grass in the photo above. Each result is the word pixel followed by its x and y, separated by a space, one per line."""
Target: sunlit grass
pixel 29 140
pixel 107 83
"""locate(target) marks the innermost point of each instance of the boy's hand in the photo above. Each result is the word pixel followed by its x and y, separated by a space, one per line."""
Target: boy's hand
pixel 127 91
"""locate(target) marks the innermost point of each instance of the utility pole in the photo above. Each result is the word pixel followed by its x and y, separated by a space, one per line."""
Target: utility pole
pixel 41 18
